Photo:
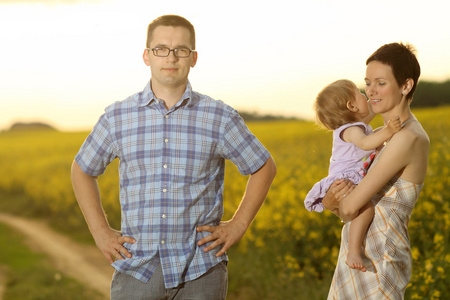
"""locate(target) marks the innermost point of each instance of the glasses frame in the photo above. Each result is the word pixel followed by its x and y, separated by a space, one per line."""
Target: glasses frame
pixel 174 50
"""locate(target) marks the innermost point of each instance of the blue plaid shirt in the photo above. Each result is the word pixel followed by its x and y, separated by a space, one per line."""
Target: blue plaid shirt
pixel 171 176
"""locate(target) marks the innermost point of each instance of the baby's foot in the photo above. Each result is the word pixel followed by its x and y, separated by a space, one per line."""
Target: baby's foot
pixel 355 261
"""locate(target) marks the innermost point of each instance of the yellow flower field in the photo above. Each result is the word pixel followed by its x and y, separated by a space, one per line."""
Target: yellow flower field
pixel 288 253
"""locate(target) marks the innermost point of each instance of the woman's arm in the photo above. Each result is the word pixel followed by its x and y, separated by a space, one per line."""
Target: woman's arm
pixel 395 158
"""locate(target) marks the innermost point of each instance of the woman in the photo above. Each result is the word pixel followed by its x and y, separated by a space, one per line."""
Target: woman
pixel 392 184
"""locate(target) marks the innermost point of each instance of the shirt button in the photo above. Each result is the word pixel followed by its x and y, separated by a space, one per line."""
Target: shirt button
pixel 166 116
pixel 165 166
pixel 166 140
pixel 163 216
pixel 164 190
pixel 157 101
pixel 162 242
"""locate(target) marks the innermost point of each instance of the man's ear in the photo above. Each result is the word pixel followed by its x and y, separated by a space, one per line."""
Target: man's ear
pixel 194 59
pixel 146 57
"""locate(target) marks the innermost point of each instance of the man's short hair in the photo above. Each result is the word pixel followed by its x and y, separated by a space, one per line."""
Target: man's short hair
pixel 170 20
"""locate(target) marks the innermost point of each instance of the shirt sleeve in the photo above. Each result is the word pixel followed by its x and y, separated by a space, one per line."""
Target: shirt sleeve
pixel 97 151
pixel 241 146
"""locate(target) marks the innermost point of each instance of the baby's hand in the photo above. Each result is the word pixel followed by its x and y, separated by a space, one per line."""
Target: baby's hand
pixel 394 125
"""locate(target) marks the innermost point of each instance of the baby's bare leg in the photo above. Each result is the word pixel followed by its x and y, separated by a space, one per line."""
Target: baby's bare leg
pixel 358 229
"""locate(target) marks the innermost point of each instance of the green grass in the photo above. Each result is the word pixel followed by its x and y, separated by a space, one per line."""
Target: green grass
pixel 31 276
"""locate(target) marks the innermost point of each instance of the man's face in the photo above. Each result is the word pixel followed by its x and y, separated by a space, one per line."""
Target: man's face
pixel 170 71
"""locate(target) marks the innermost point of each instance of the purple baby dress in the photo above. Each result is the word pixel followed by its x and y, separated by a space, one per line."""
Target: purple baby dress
pixel 347 162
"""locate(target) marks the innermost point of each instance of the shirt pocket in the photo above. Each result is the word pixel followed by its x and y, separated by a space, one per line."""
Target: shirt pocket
pixel 195 159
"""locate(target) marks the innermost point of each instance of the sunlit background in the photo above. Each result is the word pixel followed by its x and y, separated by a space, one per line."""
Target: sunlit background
pixel 63 61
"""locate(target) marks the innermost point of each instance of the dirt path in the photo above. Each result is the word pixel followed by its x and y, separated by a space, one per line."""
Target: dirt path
pixel 2 283
pixel 82 262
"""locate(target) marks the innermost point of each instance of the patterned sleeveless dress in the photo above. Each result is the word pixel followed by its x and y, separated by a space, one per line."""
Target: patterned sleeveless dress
pixel 388 255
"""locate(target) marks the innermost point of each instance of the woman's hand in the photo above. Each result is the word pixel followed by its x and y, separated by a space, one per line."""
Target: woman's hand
pixel 337 191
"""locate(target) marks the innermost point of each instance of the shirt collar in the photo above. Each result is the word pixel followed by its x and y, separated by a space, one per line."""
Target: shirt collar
pixel 146 97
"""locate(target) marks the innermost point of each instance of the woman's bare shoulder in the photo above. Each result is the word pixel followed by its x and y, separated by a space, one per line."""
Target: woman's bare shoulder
pixel 411 146
pixel 412 133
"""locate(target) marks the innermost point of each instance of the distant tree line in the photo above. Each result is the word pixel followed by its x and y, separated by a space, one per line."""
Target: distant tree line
pixel 31 126
pixel 431 94
pixel 255 116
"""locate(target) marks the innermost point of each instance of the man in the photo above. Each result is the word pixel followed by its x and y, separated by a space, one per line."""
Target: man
pixel 172 144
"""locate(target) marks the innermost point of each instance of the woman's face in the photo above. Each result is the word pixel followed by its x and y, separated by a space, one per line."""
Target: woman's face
pixel 381 87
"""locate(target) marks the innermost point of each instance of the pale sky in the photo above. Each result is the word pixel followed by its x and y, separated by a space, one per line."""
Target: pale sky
pixel 63 61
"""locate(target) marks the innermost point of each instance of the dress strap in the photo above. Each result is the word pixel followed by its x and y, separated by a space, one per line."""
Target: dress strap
pixel 407 121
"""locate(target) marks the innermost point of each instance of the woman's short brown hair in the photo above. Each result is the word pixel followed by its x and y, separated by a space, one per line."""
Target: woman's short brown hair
pixel 403 61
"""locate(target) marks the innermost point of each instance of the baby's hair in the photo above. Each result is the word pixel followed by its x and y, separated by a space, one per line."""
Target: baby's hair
pixel 331 104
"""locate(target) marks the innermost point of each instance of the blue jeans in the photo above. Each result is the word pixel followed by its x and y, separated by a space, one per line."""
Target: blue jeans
pixel 210 286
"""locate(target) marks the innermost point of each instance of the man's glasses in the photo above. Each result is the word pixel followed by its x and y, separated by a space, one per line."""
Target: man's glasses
pixel 165 51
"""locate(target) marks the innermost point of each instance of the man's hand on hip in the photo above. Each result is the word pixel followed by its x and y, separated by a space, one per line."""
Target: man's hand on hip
pixel 226 233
